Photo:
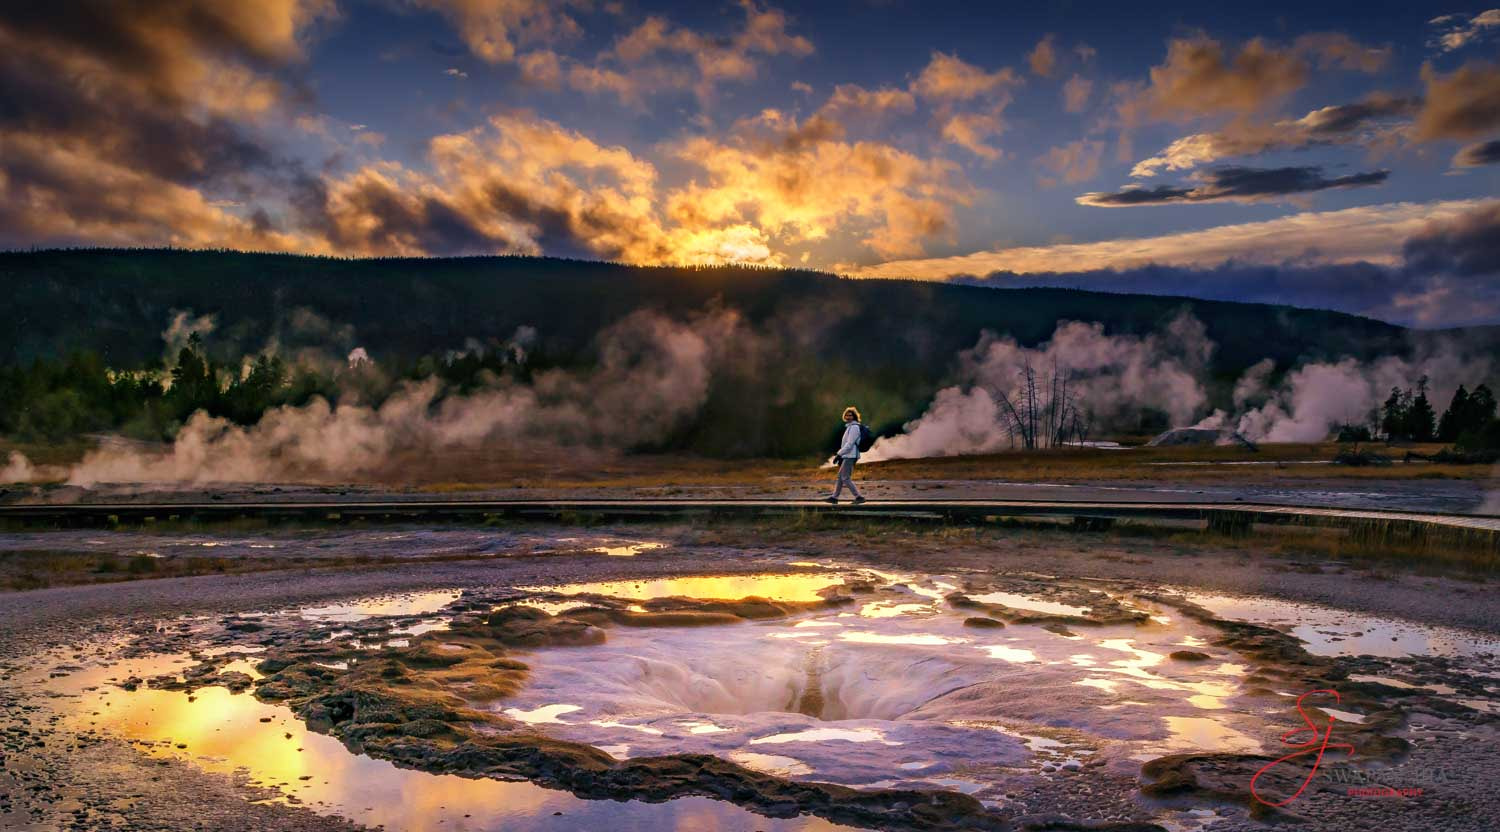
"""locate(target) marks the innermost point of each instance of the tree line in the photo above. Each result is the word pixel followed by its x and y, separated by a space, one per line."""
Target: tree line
pixel 1469 422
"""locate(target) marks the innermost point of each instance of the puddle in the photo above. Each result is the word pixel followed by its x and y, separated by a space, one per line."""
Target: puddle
pixel 432 626
pixel 800 587
pixel 1028 604
pixel 1206 734
pixel 225 733
pixel 627 550
pixel 1327 631
pixel 420 603
pixel 896 689
pixel 893 690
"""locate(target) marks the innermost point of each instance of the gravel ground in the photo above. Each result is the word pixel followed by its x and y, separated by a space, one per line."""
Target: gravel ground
pixel 51 780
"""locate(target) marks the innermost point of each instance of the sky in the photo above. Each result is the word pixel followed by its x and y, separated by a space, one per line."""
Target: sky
pixel 1342 154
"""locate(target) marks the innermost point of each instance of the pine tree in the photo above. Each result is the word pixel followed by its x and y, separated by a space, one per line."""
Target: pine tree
pixel 1420 416
pixel 1393 416
pixel 1456 417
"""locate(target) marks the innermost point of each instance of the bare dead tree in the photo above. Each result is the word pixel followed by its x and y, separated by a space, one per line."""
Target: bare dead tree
pixel 1043 413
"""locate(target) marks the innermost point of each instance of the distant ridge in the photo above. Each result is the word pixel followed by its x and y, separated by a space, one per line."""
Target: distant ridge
pixel 118 301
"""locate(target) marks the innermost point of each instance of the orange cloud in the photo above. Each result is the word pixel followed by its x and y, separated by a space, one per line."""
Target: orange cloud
pixel 1076 93
pixel 491 28
pixel 852 98
pixel 1460 105
pixel 947 77
pixel 1073 162
pixel 1043 59
pixel 809 190
pixel 1199 78
pixel 970 130
pixel 715 59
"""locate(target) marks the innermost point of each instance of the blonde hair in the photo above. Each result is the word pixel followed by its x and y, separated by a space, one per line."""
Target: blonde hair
pixel 852 409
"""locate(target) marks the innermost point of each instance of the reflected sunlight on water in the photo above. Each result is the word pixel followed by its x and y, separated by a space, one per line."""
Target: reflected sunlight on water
pixel 226 733
pixel 792 588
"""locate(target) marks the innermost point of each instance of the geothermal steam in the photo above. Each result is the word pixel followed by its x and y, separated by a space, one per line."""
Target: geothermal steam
pixel 1316 398
pixel 1112 377
pixel 17 469
pixel 653 373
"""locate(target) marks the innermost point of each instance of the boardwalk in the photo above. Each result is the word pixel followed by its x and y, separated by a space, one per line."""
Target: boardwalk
pixel 1229 517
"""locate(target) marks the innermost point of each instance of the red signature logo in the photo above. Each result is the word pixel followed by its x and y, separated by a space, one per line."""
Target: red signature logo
pixel 1317 743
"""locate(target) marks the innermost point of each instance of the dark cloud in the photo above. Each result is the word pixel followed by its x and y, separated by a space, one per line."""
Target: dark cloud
pixel 1450 277
pixel 135 121
pixel 1475 155
pixel 1354 287
pixel 390 220
pixel 1468 245
pixel 1342 119
pixel 1378 118
pixel 1235 184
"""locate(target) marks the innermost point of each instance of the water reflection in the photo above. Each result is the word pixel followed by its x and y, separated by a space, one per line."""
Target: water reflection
pixel 1028 604
pixel 1204 733
pixel 627 550
pixel 791 588
pixel 1327 631
pixel 228 733
pixel 420 603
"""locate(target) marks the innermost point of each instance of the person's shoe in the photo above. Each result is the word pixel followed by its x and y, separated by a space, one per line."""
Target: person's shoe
pixel 833 500
pixel 858 500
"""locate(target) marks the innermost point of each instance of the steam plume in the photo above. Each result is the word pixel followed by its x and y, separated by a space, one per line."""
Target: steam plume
pixel 652 374
pixel 17 469
pixel 1113 376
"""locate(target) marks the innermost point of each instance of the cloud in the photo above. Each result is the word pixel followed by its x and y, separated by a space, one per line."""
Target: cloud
pixel 1076 92
pixel 1200 78
pixel 1372 233
pixel 1043 59
pixel 645 53
pixel 803 186
pixel 1460 105
pixel 541 67
pixel 968 101
pixel 949 78
pixel 1466 245
pixel 1073 162
pixel 1475 155
pixel 1235 184
pixel 518 184
pixel 1455 31
pixel 455 72
pixel 1375 118
pixel 527 185
pixel 971 130
pixel 491 28
pixel 1445 272
pixel 138 123
pixel 852 98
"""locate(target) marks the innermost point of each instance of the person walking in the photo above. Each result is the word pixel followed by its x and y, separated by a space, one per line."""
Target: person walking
pixel 846 457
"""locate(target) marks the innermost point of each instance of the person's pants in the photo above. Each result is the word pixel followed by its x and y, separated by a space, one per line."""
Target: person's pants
pixel 846 477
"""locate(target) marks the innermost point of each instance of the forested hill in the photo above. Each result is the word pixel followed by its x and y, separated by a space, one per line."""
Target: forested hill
pixel 118 302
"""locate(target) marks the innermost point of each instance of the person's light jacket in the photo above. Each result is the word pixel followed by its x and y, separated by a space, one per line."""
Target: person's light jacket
pixel 849 449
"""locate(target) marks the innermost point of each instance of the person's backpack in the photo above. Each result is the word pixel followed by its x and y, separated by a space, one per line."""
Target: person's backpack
pixel 866 438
